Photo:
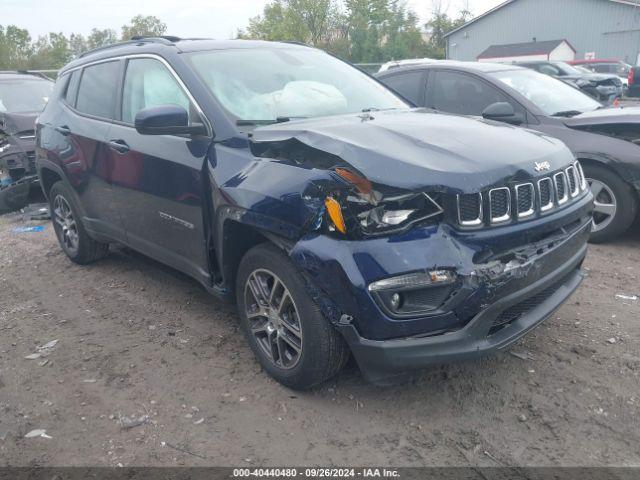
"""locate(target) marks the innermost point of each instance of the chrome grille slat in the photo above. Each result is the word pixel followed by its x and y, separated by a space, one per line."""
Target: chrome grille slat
pixel 545 187
pixel 572 177
pixel 470 212
pixel 525 199
pixel 500 205
pixel 560 183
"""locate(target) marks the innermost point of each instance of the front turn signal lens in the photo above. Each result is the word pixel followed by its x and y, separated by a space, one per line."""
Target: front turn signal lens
pixel 335 214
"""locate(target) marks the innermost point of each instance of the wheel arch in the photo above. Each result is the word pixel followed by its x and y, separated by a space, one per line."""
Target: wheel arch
pixel 236 239
pixel 48 177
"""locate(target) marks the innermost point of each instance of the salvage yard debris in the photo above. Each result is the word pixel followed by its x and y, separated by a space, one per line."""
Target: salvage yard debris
pixel 33 228
pixel 623 296
pixel 38 432
pixel 128 422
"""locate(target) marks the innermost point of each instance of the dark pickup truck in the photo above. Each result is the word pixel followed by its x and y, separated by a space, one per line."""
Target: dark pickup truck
pixel 341 220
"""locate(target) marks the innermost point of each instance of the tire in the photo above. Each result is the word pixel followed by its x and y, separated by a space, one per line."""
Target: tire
pixel 323 352
pixel 68 227
pixel 611 190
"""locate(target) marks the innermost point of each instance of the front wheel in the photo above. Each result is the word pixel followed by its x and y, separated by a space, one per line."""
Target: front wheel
pixel 615 205
pixel 72 236
pixel 285 328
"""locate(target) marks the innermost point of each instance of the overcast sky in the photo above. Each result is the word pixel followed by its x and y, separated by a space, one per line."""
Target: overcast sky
pixel 196 18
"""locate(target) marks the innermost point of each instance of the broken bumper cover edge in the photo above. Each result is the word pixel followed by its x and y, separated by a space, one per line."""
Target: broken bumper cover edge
pixel 382 361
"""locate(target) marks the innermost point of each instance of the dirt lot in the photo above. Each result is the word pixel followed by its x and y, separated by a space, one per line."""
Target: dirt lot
pixel 136 338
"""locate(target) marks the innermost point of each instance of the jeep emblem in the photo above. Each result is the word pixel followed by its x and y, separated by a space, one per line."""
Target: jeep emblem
pixel 542 166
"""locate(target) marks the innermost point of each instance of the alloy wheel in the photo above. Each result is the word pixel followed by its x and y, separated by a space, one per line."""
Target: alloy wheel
pixel 605 204
pixel 67 228
pixel 273 318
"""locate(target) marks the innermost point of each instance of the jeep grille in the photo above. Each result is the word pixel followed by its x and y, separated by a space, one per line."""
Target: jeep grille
pixel 520 201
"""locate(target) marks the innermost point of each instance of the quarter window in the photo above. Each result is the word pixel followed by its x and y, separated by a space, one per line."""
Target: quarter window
pixel 98 89
pixel 148 83
pixel 72 87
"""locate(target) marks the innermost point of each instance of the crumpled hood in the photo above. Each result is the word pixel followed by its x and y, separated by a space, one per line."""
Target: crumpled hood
pixel 412 149
pixel 13 123
pixel 605 116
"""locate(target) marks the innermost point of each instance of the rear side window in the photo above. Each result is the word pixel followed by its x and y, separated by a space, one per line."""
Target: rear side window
pixel 148 83
pixel 72 88
pixel 98 90
pixel 410 85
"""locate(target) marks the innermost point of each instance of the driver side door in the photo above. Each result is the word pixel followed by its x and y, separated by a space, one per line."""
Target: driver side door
pixel 465 94
pixel 158 180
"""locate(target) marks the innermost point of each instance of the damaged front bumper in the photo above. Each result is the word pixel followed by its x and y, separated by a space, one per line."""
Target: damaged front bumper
pixel 381 361
pixel 509 279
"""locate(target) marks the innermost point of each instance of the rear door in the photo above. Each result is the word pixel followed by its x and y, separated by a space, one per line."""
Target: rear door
pixel 158 179
pixel 83 126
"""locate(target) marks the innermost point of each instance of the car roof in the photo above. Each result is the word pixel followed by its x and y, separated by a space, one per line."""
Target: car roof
pixel 22 75
pixel 159 45
pixel 484 67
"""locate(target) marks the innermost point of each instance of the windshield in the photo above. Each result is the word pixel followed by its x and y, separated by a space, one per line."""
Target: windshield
pixel 23 96
pixel 268 85
pixel 567 69
pixel 551 96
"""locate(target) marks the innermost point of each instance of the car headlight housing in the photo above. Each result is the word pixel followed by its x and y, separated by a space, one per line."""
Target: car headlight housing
pixel 360 209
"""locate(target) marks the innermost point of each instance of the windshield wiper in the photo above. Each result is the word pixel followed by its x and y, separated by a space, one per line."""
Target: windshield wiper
pixel 567 113
pixel 243 122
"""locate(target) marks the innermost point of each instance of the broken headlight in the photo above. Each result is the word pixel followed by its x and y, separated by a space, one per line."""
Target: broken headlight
pixel 361 208
pixel 398 212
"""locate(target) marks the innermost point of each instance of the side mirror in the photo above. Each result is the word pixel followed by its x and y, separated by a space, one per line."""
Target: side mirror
pixel 502 112
pixel 166 120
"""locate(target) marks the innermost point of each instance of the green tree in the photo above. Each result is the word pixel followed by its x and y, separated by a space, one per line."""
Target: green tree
pixel 77 44
pixel 100 38
pixel 15 47
pixel 273 24
pixel 142 25
pixel 440 24
pixel 403 38
pixel 50 51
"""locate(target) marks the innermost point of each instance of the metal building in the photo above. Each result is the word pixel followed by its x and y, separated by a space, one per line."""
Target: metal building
pixel 595 28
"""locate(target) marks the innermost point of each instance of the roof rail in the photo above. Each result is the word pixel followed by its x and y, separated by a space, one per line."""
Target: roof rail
pixel 165 40
pixel 157 38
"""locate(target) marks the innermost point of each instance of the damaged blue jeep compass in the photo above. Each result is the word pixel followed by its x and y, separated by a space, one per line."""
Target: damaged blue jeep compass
pixel 341 220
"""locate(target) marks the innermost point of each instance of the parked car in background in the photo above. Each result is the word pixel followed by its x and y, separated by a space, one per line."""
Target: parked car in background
pixel 23 95
pixel 404 63
pixel 339 218
pixel 634 82
pixel 614 67
pixel 605 140
pixel 603 87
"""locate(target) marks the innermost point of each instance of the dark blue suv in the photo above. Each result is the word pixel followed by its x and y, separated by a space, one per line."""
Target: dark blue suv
pixel 340 219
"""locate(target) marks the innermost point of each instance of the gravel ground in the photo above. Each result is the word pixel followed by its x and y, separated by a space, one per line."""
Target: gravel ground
pixel 139 340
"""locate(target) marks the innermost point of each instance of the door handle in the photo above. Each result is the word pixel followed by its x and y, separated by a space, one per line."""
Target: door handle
pixel 119 146
pixel 63 129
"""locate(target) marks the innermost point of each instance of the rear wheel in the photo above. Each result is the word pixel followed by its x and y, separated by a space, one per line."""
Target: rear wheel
pixel 615 205
pixel 72 236
pixel 285 328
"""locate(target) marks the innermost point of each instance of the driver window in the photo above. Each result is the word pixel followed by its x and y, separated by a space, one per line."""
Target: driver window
pixel 455 92
pixel 148 83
